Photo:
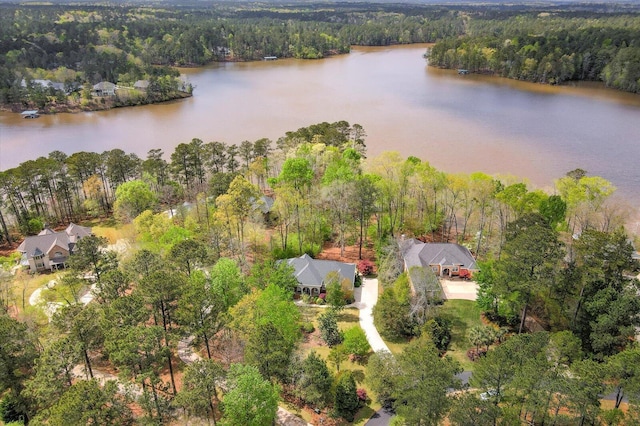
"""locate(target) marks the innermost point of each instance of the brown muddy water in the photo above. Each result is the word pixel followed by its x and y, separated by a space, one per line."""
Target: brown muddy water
pixel 457 123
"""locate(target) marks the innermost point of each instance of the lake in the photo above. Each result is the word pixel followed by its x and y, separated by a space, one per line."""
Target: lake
pixel 457 123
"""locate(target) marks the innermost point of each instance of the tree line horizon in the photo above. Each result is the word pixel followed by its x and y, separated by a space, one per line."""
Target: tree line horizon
pixel 79 46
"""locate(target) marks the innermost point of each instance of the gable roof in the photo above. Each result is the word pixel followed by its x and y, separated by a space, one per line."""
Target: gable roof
pixel 417 253
pixel 104 85
pixel 47 239
pixel 312 272
pixel 141 84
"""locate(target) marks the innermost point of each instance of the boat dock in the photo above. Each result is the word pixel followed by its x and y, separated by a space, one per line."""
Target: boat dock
pixel 30 114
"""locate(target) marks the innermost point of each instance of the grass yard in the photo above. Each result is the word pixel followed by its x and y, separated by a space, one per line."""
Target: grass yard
pixel 114 232
pixel 348 318
pixel 24 285
pixel 463 314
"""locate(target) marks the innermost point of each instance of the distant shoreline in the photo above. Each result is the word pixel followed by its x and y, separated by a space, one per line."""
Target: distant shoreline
pixel 95 105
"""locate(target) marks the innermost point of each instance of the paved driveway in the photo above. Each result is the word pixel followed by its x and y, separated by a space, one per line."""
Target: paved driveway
pixel 460 289
pixel 368 298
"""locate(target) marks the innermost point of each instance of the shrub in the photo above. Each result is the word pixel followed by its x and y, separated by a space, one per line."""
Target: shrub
pixel 355 343
pixel 365 267
pixel 322 296
pixel 9 409
pixel 358 281
pixel 346 402
pixel 328 325
pixel 439 330
pixel 348 297
pixel 362 394
pixel 308 327
pixel 320 301
pixel 306 298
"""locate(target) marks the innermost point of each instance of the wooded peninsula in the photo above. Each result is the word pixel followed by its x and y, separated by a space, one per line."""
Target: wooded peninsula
pixel 178 289
pixel 58 57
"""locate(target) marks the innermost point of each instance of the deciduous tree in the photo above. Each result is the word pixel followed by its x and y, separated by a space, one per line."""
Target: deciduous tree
pixel 251 400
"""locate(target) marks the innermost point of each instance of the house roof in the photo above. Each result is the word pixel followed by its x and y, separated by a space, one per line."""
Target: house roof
pixel 417 253
pixel 312 272
pixel 264 203
pixel 141 84
pixel 104 85
pixel 47 239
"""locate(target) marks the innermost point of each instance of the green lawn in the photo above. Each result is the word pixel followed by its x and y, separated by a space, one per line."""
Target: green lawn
pixel 464 314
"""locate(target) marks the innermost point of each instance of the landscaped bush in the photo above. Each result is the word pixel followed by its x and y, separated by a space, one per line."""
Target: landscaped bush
pixel 362 394
pixel 439 330
pixel 329 331
pixel 356 344
pixel 307 327
pixel 348 297
pixel 320 301
pixel 365 267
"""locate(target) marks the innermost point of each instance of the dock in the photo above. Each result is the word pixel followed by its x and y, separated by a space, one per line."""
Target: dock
pixel 30 114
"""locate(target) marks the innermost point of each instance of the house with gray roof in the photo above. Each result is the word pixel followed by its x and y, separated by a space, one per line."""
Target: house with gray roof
pixel 312 273
pixel 104 88
pixel 444 259
pixel 49 250
pixel 141 85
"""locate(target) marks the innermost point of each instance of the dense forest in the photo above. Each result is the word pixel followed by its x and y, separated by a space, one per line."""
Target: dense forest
pixel 52 55
pixel 83 45
pixel 202 261
pixel 548 48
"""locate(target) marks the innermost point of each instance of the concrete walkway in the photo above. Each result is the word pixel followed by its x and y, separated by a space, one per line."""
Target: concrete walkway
pixel 36 299
pixel 368 297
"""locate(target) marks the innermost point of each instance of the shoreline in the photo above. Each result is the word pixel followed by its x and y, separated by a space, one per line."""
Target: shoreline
pixel 109 104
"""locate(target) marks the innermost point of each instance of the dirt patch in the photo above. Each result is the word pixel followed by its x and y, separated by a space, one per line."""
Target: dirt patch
pixel 8 249
pixel 351 253
pixel 311 340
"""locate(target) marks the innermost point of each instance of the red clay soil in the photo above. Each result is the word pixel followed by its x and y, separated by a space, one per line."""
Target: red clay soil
pixel 331 252
pixel 6 249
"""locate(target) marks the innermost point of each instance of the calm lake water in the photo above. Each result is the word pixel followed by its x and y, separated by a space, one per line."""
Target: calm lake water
pixel 457 123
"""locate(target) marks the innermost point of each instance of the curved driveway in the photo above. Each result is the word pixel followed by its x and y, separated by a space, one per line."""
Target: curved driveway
pixel 368 298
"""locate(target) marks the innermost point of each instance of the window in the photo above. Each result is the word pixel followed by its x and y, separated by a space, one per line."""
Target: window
pixel 455 269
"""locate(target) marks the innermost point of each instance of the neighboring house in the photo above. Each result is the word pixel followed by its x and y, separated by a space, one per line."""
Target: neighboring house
pixel 444 259
pixel 265 205
pixel 49 250
pixel 104 88
pixel 141 85
pixel 183 83
pixel 48 83
pixel 312 273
